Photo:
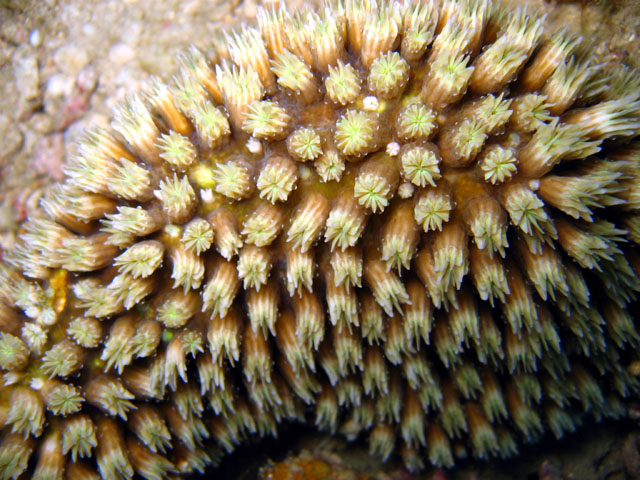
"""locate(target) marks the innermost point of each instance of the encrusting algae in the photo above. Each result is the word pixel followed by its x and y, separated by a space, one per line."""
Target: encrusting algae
pixel 413 222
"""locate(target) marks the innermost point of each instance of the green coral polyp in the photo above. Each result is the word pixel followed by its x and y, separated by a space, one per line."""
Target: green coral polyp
pixel 355 133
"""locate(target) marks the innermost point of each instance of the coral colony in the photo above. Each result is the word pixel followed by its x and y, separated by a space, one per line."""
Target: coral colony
pixel 409 223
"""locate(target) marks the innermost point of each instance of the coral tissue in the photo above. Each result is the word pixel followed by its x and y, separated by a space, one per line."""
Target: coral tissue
pixel 413 223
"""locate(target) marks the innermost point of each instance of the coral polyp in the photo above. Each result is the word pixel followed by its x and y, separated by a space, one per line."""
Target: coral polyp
pixel 413 222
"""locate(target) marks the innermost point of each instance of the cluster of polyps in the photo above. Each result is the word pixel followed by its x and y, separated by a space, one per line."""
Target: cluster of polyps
pixel 414 222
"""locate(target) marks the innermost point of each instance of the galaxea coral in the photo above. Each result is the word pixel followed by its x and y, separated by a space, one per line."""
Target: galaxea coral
pixel 414 222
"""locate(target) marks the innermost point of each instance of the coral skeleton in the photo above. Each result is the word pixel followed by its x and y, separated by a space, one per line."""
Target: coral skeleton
pixel 411 223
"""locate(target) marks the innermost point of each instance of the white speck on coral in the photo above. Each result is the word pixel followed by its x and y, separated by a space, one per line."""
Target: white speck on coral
pixel 254 146
pixel 206 195
pixel 393 149
pixel 406 190
pixel 36 383
pixel 370 103
pixel 173 231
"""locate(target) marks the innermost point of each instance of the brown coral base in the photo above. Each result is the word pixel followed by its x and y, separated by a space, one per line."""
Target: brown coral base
pixel 605 451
